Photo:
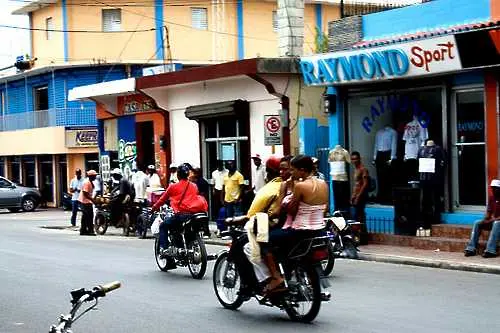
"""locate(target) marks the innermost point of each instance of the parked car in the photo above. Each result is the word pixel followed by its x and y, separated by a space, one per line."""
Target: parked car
pixel 16 197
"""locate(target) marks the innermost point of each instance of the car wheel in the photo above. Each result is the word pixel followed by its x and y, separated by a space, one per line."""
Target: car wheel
pixel 28 204
pixel 13 210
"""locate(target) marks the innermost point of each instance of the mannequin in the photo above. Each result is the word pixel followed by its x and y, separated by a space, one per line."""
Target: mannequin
pixel 338 158
pixel 431 165
pixel 384 152
pixel 414 137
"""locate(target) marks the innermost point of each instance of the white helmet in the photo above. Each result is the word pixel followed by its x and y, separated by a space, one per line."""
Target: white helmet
pixel 116 171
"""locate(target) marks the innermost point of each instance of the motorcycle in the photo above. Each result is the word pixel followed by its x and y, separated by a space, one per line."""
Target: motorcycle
pixel 102 219
pixel 186 245
pixel 344 238
pixel 235 282
pixel 144 221
pixel 78 297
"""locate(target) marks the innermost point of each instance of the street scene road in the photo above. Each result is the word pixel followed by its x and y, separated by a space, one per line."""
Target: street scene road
pixel 38 268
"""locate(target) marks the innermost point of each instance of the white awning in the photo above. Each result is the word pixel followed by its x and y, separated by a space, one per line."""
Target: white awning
pixel 111 88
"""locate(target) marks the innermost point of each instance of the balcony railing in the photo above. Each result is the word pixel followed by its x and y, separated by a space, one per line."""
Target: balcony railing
pixel 48 118
pixel 363 7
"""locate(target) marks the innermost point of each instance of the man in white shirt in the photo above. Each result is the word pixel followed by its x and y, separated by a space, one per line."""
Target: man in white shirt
pixel 172 178
pixel 74 188
pixel 140 181
pixel 218 184
pixel 259 173
pixel 154 179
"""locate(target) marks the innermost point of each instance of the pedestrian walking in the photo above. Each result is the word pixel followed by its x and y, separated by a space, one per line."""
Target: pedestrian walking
pixel 75 187
pixel 86 201
pixel 218 184
pixel 234 183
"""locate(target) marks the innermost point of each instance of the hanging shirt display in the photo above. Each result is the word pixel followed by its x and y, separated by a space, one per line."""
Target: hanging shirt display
pixel 386 140
pixel 414 136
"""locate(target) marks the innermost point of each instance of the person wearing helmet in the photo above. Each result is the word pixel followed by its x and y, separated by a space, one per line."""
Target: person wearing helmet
pixel 182 196
pixel 491 221
pixel 122 193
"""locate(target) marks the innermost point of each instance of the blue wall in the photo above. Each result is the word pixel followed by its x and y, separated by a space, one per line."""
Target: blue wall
pixel 239 23
pixel 19 93
pixel 431 15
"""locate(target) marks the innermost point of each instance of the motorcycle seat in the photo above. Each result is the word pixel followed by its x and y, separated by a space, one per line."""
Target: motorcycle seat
pixel 237 220
pixel 200 217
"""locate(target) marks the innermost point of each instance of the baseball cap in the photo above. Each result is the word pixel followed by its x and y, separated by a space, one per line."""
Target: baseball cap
pixel 495 183
pixel 257 156
pixel 151 167
pixel 273 163
pixel 173 166
pixel 91 173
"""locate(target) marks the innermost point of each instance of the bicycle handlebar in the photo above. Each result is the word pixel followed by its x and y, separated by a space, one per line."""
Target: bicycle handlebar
pixel 111 286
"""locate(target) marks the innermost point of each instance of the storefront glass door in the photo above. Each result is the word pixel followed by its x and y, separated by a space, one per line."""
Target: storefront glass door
pixel 468 149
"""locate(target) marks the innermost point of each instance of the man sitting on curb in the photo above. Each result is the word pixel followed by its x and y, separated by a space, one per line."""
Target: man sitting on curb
pixel 490 222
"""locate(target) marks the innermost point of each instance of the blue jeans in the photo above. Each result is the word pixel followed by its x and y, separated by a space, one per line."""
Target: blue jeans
pixel 74 211
pixel 169 223
pixel 232 209
pixel 491 246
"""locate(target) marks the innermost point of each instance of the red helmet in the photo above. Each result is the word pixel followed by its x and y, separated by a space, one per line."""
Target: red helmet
pixel 273 163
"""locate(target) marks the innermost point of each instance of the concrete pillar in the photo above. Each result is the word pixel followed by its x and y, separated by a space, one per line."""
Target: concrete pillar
pixel 290 27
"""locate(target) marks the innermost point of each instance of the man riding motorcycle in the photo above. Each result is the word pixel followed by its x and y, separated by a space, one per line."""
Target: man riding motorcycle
pixel 266 201
pixel 121 195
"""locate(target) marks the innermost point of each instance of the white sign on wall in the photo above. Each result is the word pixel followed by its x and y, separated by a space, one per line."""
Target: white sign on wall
pixel 273 131
pixel 416 58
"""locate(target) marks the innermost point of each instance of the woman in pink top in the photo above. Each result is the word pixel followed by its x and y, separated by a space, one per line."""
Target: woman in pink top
pixel 305 211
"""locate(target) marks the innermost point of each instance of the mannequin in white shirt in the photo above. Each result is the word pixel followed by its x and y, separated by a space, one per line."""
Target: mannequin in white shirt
pixel 338 158
pixel 414 136
pixel 384 151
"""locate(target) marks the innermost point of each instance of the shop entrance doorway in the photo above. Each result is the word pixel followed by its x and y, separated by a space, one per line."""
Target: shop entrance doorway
pixel 145 143
pixel 468 149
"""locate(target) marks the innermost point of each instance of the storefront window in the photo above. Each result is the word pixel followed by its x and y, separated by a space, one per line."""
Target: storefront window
pixel 29 171
pixel 388 129
pixel 46 182
pixel 15 170
pixel 92 162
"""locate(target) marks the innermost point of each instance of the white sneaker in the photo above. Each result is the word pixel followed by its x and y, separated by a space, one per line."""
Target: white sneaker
pixel 226 238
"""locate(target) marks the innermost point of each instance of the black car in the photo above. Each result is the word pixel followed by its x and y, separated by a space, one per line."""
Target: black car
pixel 16 197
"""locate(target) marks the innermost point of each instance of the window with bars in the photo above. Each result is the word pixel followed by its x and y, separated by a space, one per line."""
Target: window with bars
pixel 111 20
pixel 275 21
pixel 199 18
pixel 49 26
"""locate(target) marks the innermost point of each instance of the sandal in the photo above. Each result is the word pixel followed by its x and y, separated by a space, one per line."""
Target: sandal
pixel 274 286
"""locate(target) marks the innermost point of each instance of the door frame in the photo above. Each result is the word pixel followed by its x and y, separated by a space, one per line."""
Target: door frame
pixel 455 204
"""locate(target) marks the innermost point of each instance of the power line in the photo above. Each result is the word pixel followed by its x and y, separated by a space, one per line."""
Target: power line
pixel 75 31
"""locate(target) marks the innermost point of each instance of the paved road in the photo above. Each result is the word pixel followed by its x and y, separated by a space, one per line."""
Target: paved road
pixel 38 267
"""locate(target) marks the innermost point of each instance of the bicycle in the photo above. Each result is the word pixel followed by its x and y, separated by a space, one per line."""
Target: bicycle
pixel 78 297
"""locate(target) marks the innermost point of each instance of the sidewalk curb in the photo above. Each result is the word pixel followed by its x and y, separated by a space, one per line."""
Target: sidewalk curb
pixel 422 262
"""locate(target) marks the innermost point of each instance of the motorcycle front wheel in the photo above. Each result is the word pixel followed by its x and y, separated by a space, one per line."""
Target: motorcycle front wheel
pixel 100 224
pixel 161 262
pixel 197 257
pixel 328 264
pixel 227 282
pixel 303 301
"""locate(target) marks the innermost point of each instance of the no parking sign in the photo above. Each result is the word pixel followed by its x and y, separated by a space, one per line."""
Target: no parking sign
pixel 272 130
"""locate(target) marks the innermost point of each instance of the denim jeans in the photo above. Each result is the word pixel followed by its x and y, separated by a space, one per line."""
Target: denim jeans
pixel 74 211
pixel 491 246
pixel 169 223
pixel 232 209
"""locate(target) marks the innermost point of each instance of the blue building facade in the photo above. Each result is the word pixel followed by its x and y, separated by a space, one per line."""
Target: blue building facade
pixel 371 96
pixel 43 136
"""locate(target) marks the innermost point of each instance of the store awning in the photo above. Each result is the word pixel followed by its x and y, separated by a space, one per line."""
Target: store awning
pixel 213 110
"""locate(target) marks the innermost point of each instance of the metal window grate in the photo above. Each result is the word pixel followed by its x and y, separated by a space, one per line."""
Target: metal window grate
pixel 49 26
pixel 111 20
pixel 199 18
pixel 275 21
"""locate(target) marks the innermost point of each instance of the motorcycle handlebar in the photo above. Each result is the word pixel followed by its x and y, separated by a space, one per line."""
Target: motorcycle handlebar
pixel 101 291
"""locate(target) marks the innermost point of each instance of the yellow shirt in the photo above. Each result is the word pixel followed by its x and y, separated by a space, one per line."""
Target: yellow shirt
pixel 266 198
pixel 232 186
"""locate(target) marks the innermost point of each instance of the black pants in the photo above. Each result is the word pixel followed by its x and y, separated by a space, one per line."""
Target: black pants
pixel 431 204
pixel 341 195
pixel 384 180
pixel 411 169
pixel 87 224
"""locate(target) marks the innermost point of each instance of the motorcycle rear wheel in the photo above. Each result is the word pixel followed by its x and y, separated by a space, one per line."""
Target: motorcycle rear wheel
pixel 306 284
pixel 197 259
pixel 227 283
pixel 327 265
pixel 100 224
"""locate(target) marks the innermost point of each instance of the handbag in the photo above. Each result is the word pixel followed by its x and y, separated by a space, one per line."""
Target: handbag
pixel 198 205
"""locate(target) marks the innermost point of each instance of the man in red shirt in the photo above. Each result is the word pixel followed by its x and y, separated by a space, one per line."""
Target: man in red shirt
pixel 180 194
pixel 490 222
